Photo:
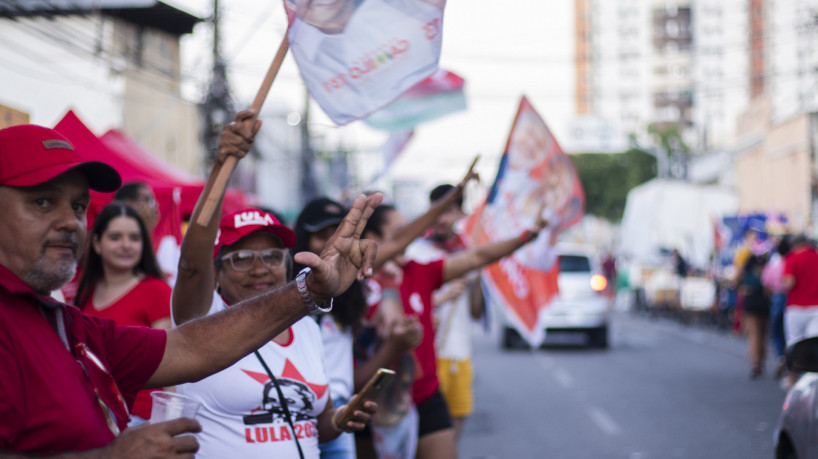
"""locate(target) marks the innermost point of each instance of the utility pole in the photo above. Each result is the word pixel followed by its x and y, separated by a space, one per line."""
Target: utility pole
pixel 677 166
pixel 217 108
pixel 308 187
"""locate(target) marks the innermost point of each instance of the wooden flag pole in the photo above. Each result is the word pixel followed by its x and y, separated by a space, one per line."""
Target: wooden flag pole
pixel 219 185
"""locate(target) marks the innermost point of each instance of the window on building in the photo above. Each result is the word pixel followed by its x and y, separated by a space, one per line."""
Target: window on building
pixel 672 28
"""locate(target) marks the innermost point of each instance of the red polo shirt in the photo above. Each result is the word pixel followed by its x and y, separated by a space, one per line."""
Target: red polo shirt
pixel 802 264
pixel 47 399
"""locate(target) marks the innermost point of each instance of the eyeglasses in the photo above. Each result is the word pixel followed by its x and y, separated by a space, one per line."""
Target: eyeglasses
pixel 244 260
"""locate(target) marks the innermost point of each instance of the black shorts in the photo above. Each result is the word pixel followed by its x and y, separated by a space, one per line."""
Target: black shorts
pixel 433 415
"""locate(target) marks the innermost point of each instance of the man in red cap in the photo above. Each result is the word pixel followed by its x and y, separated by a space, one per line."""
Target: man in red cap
pixel 67 379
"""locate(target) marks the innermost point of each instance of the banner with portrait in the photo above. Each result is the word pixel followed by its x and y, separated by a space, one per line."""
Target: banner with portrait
pixel 535 176
pixel 357 56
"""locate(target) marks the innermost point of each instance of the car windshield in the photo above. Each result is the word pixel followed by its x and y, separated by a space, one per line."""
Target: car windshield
pixel 574 264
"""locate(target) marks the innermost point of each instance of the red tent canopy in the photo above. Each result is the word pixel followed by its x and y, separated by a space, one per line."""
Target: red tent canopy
pixel 176 192
pixel 132 151
pixel 190 187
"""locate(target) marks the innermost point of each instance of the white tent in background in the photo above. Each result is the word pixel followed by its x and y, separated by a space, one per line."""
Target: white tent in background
pixel 673 214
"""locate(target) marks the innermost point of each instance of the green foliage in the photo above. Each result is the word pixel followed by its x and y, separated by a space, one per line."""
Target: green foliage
pixel 669 138
pixel 607 178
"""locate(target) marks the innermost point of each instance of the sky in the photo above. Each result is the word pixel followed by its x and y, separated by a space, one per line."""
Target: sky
pixel 503 50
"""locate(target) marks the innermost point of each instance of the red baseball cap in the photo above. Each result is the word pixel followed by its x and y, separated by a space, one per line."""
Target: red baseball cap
pixel 31 155
pixel 236 225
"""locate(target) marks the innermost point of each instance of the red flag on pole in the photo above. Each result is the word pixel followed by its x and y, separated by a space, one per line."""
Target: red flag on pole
pixel 535 176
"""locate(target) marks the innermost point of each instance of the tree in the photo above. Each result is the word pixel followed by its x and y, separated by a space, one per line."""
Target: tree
pixel 607 179
pixel 670 140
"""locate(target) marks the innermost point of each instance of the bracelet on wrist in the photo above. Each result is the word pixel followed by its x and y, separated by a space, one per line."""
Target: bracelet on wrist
pixel 306 298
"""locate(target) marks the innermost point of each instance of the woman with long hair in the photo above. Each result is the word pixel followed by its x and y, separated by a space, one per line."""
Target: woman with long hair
pixel 122 281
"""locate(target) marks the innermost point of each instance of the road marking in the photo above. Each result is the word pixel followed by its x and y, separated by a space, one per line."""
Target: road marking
pixel 605 423
pixel 546 363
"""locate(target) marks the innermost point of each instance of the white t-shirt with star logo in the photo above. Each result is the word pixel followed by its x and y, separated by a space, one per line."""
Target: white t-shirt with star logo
pixel 240 413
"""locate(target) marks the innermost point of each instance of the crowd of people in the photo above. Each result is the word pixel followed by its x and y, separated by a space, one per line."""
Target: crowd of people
pixel 772 296
pixel 779 294
pixel 271 329
pixel 769 294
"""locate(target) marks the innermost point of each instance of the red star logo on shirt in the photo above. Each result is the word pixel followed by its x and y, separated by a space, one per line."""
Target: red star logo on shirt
pixel 289 372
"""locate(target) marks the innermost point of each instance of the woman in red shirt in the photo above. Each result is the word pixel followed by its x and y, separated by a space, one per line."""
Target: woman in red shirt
pixel 122 281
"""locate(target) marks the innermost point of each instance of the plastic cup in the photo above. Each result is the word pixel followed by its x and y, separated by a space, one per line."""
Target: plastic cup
pixel 170 405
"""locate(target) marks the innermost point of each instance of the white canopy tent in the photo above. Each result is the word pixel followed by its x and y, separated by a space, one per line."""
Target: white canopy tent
pixel 673 214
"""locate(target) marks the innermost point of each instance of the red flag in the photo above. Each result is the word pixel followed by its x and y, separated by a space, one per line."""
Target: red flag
pixel 535 176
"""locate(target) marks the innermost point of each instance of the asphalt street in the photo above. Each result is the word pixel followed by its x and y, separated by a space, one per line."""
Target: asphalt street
pixel 662 390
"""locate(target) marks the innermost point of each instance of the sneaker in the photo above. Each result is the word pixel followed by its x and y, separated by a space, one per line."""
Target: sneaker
pixel 755 373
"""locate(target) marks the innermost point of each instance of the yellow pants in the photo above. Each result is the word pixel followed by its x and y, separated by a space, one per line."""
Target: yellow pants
pixel 455 378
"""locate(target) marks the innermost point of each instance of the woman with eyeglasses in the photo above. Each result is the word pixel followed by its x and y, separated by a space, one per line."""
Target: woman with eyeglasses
pixel 275 402
pixel 122 281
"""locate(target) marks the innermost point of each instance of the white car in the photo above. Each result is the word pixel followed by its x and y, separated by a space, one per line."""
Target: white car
pixel 581 305
pixel 796 436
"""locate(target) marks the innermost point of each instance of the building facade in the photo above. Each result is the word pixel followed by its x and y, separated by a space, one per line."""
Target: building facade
pixel 117 67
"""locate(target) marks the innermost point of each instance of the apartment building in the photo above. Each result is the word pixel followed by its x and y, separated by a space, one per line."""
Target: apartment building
pixel 739 78
pixel 664 63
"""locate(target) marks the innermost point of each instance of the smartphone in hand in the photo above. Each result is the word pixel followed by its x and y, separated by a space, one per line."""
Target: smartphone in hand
pixel 376 383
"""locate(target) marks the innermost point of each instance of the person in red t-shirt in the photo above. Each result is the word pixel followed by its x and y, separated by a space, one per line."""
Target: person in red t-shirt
pixel 122 281
pixel 68 379
pixel 436 432
pixel 801 282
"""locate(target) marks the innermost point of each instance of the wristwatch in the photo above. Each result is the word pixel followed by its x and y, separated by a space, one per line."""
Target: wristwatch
pixel 312 307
